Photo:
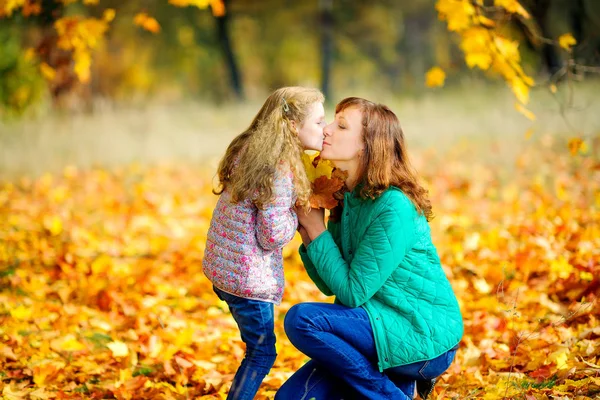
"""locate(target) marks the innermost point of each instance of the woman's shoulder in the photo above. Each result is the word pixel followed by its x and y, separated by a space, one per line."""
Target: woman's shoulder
pixel 394 199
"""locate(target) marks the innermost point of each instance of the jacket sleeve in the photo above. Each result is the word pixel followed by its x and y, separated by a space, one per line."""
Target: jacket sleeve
pixel 312 272
pixel 384 245
pixel 276 224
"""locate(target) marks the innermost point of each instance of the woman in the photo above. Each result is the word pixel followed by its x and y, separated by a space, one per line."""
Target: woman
pixel 395 321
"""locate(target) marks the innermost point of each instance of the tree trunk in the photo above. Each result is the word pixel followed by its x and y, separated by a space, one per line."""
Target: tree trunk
pixel 550 56
pixel 577 18
pixel 326 10
pixel 229 57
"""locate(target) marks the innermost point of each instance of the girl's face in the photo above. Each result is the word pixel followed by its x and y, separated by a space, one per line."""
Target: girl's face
pixel 343 137
pixel 311 132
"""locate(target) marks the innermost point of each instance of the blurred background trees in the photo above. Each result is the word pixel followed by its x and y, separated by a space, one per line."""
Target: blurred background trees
pixel 71 53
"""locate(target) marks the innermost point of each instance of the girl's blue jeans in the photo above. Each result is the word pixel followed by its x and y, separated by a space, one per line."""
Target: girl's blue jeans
pixel 339 340
pixel 255 320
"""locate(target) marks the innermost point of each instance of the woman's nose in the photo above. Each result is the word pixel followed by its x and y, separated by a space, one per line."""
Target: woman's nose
pixel 327 130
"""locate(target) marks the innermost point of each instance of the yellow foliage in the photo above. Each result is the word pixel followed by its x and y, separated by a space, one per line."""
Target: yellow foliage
pixel 457 13
pixel 21 313
pixel 196 3
pixel 484 46
pixel 81 36
pixel 435 77
pixel 47 71
pixel 567 41
pixel 139 317
pixel 520 108
pixel 218 7
pixel 512 6
pixel 119 349
pixel 520 89
pixel 8 6
pixel 147 22
pixel 323 168
pixel 576 145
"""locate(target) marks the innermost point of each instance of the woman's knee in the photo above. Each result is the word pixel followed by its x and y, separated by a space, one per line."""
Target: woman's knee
pixel 298 320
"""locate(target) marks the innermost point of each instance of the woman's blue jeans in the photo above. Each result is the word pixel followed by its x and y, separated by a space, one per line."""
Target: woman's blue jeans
pixel 256 321
pixel 339 340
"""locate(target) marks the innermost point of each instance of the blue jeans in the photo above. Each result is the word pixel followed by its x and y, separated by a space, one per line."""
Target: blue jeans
pixel 339 340
pixel 256 322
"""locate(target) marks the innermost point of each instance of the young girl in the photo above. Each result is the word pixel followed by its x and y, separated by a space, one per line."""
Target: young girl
pixel 262 178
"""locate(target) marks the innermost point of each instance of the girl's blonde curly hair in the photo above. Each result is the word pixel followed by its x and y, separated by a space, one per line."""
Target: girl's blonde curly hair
pixel 270 141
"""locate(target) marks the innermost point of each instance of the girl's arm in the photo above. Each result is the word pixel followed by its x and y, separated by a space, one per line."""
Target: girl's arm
pixel 276 223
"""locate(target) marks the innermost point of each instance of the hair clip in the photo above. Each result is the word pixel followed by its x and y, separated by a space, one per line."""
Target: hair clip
pixel 286 107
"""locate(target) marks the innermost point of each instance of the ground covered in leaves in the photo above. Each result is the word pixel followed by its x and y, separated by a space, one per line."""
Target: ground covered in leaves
pixel 102 294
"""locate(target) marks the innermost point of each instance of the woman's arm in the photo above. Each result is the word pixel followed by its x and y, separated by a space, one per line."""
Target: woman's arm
pixel 384 245
pixel 312 272
pixel 317 221
pixel 276 224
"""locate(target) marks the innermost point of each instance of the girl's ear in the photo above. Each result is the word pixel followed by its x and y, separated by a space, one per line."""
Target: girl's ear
pixel 294 128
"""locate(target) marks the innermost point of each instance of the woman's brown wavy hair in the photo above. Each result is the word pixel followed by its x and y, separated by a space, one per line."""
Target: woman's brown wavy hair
pixel 251 161
pixel 384 161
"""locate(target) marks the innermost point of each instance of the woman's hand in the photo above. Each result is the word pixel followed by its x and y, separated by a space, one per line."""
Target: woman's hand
pixel 312 222
pixel 304 235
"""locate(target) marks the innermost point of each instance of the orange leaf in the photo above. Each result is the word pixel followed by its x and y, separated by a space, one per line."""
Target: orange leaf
pixel 218 8
pixel 323 190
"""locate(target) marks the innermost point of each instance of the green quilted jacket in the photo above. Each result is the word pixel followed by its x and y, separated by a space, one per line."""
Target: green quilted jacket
pixel 380 257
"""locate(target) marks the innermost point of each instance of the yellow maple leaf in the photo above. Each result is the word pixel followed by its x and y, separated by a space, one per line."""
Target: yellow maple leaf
pixel 147 22
pixel 561 267
pixel 45 371
pixel 67 343
pixel 520 89
pixel 513 6
pixel 435 77
pixel 53 224
pixel 323 168
pixel 567 41
pixel 118 348
pixel 102 264
pixel 108 15
pixel 21 313
pixel 560 358
pixel 458 14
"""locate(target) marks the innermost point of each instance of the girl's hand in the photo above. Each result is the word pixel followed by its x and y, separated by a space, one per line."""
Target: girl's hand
pixel 312 221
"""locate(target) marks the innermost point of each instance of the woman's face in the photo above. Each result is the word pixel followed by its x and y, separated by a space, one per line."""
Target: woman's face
pixel 311 132
pixel 343 137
